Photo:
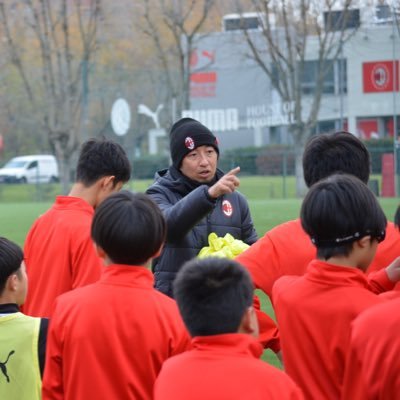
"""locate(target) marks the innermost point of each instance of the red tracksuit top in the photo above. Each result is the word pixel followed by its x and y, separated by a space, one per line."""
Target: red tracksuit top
pixel 287 250
pixel 223 367
pixel 59 254
pixel 314 313
pixel 373 362
pixel 108 340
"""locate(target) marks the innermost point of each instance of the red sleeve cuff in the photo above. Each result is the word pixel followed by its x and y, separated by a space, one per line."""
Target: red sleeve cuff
pixel 269 333
pixel 379 281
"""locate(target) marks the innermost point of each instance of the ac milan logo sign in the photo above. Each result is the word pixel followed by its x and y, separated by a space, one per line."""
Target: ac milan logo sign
pixel 227 208
pixel 189 143
pixel 380 76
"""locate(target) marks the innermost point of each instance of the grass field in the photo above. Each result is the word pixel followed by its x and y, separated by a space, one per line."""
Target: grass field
pixel 17 213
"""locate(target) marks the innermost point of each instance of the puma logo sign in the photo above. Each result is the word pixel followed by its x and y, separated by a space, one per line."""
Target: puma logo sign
pixel 3 365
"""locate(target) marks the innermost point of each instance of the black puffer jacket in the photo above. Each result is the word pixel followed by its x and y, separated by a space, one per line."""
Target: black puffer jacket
pixel 191 216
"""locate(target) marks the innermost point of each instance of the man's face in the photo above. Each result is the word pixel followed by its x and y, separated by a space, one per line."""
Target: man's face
pixel 200 164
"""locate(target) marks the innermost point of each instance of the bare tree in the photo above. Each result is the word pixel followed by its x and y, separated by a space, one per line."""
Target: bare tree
pixel 171 27
pixel 293 33
pixel 64 37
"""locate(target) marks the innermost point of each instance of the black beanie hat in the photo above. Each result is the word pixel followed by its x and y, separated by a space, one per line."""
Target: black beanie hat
pixel 187 134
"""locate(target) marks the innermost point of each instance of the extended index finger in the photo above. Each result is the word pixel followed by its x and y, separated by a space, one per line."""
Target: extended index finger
pixel 233 171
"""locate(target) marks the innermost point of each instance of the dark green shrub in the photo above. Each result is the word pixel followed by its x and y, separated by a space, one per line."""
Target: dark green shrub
pixel 146 167
pixel 276 160
pixel 245 158
pixel 378 147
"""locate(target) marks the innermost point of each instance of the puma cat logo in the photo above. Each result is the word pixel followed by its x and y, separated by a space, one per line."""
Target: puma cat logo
pixel 3 366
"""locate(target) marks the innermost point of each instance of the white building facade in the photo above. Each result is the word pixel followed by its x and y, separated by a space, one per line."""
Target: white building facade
pixel 235 98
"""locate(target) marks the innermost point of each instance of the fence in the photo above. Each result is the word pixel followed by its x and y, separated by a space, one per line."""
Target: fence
pixel 275 163
pixel 265 173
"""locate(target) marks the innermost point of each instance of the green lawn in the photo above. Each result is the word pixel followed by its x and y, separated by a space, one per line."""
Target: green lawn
pixel 16 219
pixel 20 206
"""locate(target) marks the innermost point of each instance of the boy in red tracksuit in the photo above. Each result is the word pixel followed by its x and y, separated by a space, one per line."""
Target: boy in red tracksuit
pixel 59 252
pixel 273 255
pixel 314 312
pixel 373 363
pixel 109 339
pixel 287 249
pixel 214 296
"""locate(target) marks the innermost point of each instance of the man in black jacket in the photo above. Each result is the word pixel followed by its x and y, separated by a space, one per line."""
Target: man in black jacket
pixel 196 199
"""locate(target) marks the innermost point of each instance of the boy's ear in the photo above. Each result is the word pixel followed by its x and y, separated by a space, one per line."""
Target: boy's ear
pixel 99 251
pixel 12 283
pixel 365 241
pixel 249 322
pixel 108 181
pixel 158 252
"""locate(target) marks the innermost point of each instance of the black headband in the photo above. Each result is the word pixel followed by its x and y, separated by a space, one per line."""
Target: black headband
pixel 378 235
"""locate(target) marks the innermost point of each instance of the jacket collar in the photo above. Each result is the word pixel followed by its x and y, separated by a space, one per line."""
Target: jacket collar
pixel 73 202
pixel 9 308
pixel 323 272
pixel 229 343
pixel 127 275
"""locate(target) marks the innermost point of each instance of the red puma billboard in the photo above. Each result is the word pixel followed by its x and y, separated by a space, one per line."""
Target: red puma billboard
pixel 203 83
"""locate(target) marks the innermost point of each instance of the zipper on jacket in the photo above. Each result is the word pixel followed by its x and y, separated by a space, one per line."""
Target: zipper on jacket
pixel 217 204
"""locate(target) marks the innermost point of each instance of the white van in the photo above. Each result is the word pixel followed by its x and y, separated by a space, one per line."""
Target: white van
pixel 30 169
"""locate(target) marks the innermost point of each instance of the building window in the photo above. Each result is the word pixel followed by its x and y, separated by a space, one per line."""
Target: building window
pixel 275 135
pixel 328 126
pixel 335 75
pixel 341 76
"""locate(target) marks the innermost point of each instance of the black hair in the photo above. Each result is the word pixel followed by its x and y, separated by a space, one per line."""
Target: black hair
pixel 129 227
pixel 339 210
pixel 99 158
pixel 11 257
pixel 339 152
pixel 212 295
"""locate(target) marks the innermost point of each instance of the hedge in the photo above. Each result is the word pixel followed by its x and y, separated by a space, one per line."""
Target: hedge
pixel 267 160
